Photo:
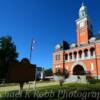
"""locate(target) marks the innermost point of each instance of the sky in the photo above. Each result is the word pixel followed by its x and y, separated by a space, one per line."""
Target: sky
pixel 49 22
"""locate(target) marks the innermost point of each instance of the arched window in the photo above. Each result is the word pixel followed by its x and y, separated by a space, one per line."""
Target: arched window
pixel 70 55
pixel 75 55
pixel 66 56
pixel 86 53
pixel 80 54
pixel 92 52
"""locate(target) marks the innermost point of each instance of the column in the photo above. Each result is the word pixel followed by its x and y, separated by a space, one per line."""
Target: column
pixel 89 54
pixel 73 56
pixel 82 54
pixel 94 54
pixel 77 56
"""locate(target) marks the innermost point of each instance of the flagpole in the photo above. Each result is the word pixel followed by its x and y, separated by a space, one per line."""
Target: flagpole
pixel 30 52
pixel 35 80
pixel 33 42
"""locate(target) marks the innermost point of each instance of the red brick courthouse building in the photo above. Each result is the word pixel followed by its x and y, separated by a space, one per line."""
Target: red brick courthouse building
pixel 83 57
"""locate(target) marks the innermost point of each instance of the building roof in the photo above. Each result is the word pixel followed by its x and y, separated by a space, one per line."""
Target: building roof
pixel 62 46
pixel 65 46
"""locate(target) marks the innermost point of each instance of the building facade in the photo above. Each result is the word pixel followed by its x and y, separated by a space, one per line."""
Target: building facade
pixel 82 57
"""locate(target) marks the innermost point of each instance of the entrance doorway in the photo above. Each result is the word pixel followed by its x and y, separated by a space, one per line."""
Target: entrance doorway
pixel 78 70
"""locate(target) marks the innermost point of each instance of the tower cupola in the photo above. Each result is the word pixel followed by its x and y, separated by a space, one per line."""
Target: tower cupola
pixel 83 11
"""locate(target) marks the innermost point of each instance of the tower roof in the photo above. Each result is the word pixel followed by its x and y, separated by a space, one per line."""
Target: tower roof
pixel 83 7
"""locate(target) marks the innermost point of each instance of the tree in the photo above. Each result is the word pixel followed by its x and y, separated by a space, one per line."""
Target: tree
pixel 60 76
pixel 8 54
pixel 48 72
pixel 66 73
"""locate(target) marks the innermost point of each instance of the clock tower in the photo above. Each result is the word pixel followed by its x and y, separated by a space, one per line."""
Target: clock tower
pixel 84 26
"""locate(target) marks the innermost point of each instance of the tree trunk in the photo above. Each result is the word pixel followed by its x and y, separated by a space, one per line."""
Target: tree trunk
pixel 21 86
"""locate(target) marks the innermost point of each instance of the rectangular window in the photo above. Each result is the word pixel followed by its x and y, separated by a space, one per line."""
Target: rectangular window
pixel 86 54
pixel 57 70
pixel 58 57
pixel 70 55
pixel 66 57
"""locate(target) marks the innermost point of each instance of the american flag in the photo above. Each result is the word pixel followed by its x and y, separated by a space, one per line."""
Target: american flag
pixel 33 43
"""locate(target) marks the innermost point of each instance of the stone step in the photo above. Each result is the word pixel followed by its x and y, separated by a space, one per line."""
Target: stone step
pixel 75 79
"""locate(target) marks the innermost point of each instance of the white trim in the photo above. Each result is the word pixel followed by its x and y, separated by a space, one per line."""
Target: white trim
pixel 84 19
pixel 92 66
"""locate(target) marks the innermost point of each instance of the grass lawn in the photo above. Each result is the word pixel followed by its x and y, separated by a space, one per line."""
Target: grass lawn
pixel 55 92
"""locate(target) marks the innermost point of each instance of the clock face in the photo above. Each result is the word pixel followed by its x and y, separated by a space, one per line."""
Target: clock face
pixel 82 24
